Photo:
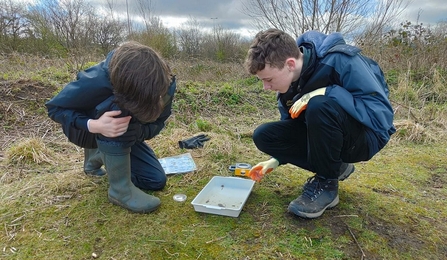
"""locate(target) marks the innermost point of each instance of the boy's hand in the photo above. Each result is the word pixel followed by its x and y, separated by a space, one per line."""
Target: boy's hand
pixel 109 125
pixel 257 172
pixel 301 104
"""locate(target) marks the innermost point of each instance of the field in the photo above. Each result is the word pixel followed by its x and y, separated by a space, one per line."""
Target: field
pixel 392 207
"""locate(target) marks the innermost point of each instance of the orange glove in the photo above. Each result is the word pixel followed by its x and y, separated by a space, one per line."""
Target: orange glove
pixel 301 104
pixel 257 172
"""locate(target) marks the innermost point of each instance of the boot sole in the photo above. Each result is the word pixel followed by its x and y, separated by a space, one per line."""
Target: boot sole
pixel 95 173
pixel 349 170
pixel 315 214
pixel 116 202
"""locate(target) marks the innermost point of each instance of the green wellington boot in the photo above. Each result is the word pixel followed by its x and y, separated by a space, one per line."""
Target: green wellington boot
pixel 122 191
pixel 93 162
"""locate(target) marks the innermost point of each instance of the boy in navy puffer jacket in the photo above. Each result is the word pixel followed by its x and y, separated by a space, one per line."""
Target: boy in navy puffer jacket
pixel 334 110
pixel 109 110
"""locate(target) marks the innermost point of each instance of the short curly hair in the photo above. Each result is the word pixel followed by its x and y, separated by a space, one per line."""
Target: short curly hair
pixel 272 47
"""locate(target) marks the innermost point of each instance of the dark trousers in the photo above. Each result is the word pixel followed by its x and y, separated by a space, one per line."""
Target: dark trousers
pixel 146 170
pixel 318 141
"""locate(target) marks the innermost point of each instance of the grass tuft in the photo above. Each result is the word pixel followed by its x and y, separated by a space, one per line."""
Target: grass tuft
pixel 29 151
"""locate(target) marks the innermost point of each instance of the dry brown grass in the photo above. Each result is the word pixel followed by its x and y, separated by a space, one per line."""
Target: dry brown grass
pixel 52 210
pixel 420 106
pixel 401 57
pixel 207 71
pixel 29 151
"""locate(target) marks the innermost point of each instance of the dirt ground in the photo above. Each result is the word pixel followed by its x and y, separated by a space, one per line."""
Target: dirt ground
pixel 23 115
pixel 22 112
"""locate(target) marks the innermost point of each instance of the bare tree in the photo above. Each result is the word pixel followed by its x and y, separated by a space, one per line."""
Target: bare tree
pixel 110 30
pixel 222 45
pixel 441 29
pixel 69 20
pixel 298 16
pixel 190 38
pixel 12 23
pixel 109 33
pixel 381 20
pixel 145 8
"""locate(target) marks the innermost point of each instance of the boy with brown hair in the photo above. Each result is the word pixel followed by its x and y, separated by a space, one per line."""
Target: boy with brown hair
pixel 334 110
pixel 110 110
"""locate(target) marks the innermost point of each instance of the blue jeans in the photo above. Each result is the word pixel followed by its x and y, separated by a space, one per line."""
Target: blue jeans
pixel 146 170
pixel 319 141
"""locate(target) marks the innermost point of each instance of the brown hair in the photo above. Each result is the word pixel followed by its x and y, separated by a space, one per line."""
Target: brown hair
pixel 272 47
pixel 140 79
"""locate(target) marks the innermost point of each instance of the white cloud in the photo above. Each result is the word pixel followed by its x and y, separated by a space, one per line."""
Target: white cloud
pixel 426 12
pixel 173 22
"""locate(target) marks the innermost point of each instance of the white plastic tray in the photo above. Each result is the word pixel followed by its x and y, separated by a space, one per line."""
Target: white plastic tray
pixel 223 196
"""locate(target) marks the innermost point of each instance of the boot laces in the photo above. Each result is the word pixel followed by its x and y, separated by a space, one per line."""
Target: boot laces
pixel 312 188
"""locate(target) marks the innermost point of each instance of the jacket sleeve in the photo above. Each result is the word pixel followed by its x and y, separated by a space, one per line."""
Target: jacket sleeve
pixel 145 131
pixel 364 94
pixel 73 105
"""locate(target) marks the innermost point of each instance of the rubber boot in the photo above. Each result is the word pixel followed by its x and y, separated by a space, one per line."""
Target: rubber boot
pixel 122 191
pixel 93 162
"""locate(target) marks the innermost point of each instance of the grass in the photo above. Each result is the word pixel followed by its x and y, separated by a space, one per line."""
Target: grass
pixel 387 212
pixel 392 207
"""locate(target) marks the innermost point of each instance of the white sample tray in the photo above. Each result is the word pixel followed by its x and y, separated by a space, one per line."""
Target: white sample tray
pixel 223 196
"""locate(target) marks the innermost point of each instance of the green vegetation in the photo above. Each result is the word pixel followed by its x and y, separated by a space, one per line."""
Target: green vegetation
pixel 392 207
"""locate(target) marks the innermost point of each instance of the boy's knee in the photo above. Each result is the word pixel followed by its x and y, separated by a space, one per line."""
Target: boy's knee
pixel 154 182
pixel 262 137
pixel 321 107
pixel 318 103
pixel 157 185
pixel 259 134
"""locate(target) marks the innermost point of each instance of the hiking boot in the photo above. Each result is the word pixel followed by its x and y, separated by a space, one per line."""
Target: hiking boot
pixel 345 171
pixel 319 194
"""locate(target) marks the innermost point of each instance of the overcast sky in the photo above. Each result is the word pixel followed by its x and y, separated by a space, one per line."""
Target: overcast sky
pixel 229 15
pixel 208 13
pixel 431 11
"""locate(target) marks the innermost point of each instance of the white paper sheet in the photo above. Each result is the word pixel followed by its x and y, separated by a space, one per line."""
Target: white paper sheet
pixel 182 163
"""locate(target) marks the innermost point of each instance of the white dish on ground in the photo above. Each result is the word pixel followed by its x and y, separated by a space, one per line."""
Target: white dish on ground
pixel 223 196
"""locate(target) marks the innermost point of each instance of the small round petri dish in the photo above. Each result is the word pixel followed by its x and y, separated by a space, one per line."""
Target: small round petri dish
pixel 179 197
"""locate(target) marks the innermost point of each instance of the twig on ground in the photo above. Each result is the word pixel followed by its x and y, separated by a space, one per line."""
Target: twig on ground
pixel 216 239
pixel 355 239
pixel 171 254
pixel 17 219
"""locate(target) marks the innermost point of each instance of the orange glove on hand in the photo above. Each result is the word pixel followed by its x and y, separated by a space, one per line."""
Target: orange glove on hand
pixel 257 172
pixel 301 104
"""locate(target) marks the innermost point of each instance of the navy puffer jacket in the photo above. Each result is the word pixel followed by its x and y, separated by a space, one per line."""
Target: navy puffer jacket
pixel 88 97
pixel 356 82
